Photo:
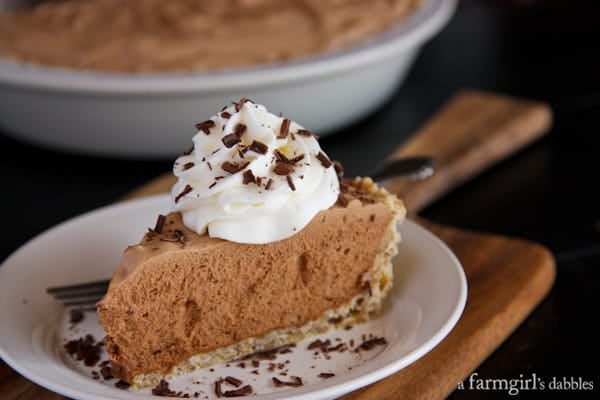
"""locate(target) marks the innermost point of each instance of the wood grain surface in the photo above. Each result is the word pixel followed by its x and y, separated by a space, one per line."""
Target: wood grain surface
pixel 507 277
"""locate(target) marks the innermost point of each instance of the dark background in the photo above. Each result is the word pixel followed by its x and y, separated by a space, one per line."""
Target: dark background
pixel 549 192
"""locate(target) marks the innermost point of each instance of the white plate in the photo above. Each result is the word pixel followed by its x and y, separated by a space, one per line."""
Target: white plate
pixel 427 300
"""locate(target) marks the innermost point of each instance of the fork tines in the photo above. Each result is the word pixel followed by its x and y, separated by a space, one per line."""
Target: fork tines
pixel 80 294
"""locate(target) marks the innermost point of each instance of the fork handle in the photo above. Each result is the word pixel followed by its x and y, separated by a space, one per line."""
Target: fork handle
pixel 473 131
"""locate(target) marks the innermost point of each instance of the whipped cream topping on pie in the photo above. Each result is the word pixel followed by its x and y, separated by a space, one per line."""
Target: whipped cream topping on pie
pixel 252 176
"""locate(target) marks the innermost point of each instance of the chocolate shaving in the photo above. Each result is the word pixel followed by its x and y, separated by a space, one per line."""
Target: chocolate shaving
pixel 305 132
pixel 106 372
pixel 371 343
pixel 259 147
pixel 319 344
pixel 339 168
pixel 233 167
pixel 285 128
pixel 239 130
pixel 341 347
pixel 231 140
pixel 282 168
pixel 233 381
pixel 122 385
pixel 160 222
pixel 248 177
pixel 326 375
pixel 187 166
pixel 243 391
pixel 269 183
pixel 218 390
pixel 209 165
pixel 162 389
pixel 225 115
pixel 212 185
pixel 84 349
pixel 325 162
pixel 290 183
pixel 295 382
pixel 239 104
pixel 178 236
pixel 281 157
pixel 205 126
pixel 185 191
pixel 296 159
pixel 75 316
pixel 188 152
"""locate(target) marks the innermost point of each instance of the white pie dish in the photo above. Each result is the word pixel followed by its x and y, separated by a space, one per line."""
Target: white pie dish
pixel 153 115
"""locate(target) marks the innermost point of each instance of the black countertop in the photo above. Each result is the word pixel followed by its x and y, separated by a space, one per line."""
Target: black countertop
pixel 547 193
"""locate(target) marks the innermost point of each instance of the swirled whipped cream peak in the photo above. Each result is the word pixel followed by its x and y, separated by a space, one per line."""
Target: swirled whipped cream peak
pixel 252 177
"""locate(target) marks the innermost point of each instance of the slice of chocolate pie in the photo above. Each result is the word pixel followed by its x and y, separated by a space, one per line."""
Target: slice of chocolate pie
pixel 265 246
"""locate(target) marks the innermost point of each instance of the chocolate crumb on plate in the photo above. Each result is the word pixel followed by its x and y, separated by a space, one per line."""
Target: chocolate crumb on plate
pixel 187 166
pixel 326 375
pixel 163 390
pixel 106 372
pixel 295 382
pixel 243 391
pixel 319 344
pixel 75 316
pixel 371 343
pixel 233 381
pixel 122 385
pixel 84 349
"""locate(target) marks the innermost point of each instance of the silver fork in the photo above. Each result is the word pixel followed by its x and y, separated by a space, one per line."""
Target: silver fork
pixel 81 294
pixel 408 168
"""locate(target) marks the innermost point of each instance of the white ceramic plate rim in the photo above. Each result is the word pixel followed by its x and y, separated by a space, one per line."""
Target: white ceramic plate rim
pixel 412 32
pixel 353 380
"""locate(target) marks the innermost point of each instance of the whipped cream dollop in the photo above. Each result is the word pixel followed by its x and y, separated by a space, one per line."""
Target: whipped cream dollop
pixel 252 177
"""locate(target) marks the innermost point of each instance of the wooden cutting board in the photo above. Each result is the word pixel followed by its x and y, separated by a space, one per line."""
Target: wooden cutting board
pixel 507 277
